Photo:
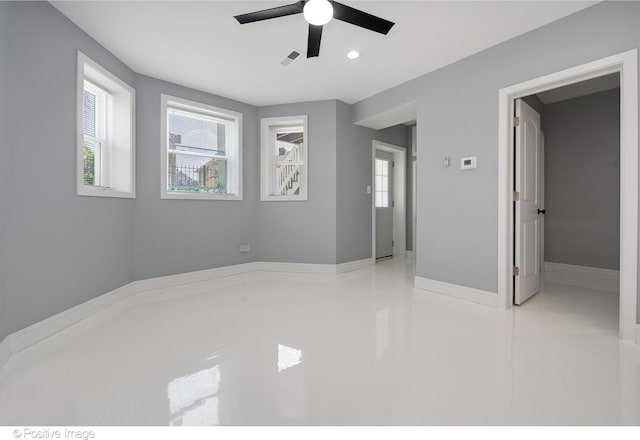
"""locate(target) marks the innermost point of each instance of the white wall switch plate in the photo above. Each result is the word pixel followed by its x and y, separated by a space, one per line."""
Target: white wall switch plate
pixel 245 248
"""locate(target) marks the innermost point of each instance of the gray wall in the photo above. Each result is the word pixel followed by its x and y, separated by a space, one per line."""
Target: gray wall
pixel 176 236
pixel 535 103
pixel 305 231
pixel 54 234
pixel 66 249
pixel 353 204
pixel 4 151
pixel 582 180
pixel 409 201
pixel 458 116
pixel 62 249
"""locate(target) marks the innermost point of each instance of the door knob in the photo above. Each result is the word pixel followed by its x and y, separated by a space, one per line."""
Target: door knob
pixel 542 211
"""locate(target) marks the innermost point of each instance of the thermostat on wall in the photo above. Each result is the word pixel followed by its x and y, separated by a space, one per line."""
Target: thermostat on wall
pixel 468 163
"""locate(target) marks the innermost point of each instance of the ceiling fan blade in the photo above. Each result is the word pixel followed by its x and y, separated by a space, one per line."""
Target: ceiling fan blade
pixel 360 18
pixel 266 14
pixel 313 43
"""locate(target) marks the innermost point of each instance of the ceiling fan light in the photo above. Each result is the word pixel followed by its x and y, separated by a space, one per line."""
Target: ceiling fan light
pixel 318 12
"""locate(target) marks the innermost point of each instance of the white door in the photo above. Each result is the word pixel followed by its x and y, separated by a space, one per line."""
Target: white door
pixel 528 225
pixel 383 187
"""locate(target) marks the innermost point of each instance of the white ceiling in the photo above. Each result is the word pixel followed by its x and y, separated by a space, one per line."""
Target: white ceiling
pixel 200 45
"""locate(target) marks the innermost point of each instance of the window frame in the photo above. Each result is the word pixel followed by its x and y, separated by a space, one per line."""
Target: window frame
pixel 107 84
pixel 233 150
pixel 267 160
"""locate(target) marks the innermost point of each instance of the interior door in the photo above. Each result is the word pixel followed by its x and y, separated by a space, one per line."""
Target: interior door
pixel 383 186
pixel 527 208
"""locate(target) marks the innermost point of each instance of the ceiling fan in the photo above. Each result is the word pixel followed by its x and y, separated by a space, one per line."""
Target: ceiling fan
pixel 318 13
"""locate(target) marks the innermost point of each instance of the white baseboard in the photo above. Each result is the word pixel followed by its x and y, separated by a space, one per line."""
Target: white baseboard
pixel 582 276
pixel 180 279
pixel 18 341
pixel 264 266
pixel 122 298
pixel 5 351
pixel 409 254
pixel 466 293
pixel 354 265
pixel 328 269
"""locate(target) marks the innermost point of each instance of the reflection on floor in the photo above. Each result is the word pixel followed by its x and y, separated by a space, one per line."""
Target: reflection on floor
pixel 357 348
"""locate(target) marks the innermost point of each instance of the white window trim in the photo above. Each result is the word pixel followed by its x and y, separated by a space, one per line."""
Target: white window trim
pixel 207 110
pixel 81 188
pixel 266 159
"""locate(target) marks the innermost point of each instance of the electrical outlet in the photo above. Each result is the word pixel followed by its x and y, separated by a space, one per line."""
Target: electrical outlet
pixel 244 248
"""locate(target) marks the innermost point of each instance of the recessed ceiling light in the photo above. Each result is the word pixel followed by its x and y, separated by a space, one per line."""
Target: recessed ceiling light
pixel 353 54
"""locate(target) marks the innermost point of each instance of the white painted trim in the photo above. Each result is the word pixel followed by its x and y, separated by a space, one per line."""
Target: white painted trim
pixel 235 163
pixel 627 64
pixel 582 276
pixel 414 183
pixel 328 269
pixel 5 351
pixel 113 83
pixel 18 341
pixel 410 254
pixel 266 157
pixel 461 292
pixel 638 334
pixel 414 140
pixel 399 197
pixel 120 299
pixel 350 266
pixel 180 279
pixel 264 266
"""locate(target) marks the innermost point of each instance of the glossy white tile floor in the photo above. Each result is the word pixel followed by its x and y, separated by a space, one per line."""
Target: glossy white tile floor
pixel 358 348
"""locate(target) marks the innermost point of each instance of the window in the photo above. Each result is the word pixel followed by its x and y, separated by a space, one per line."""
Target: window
pixel 382 183
pixel 94 111
pixel 106 149
pixel 284 158
pixel 201 154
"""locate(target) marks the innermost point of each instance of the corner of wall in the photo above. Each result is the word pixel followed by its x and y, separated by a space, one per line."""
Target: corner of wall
pixel 4 62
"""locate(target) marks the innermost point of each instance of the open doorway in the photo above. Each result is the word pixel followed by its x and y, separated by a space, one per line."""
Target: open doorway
pixel 520 208
pixel 388 208
pixel 567 178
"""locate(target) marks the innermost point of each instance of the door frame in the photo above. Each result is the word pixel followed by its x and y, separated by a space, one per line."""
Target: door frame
pixel 399 197
pixel 626 63
pixel 414 187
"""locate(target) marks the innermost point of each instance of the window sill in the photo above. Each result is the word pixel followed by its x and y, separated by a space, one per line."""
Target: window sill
pixel 302 198
pixel 105 192
pixel 195 196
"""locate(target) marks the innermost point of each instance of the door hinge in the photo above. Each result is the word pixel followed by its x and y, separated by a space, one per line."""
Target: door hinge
pixel 392 243
pixel 516 196
pixel 516 271
pixel 393 204
pixel 516 121
pixel 393 164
